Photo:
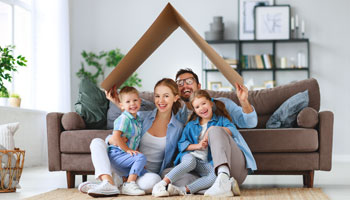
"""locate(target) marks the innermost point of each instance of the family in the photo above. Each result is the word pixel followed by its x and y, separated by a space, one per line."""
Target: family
pixel 174 149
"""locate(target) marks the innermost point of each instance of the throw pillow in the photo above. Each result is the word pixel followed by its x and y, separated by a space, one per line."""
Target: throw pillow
pixel 72 121
pixel 114 112
pixel 285 115
pixel 92 105
pixel 4 158
pixel 307 118
pixel 7 132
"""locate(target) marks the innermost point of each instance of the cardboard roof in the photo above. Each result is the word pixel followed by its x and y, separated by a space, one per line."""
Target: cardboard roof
pixel 165 24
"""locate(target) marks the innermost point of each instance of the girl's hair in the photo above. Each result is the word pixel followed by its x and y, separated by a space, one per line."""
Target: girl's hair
pixel 171 84
pixel 220 107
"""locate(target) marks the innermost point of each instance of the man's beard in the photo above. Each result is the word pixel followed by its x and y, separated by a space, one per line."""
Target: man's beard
pixel 185 99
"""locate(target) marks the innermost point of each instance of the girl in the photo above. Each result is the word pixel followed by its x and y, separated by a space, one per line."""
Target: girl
pixel 193 146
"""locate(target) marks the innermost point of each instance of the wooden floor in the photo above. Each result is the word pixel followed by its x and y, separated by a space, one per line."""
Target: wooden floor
pixel 336 184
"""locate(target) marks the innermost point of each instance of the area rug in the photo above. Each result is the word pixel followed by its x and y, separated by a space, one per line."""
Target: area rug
pixel 247 194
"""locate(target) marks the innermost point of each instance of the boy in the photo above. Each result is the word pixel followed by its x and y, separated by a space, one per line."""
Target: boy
pixel 123 153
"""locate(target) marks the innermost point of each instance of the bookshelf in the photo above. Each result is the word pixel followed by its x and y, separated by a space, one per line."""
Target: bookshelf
pixel 238 52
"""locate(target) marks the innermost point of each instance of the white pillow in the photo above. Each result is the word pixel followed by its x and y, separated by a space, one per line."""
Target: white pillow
pixel 7 131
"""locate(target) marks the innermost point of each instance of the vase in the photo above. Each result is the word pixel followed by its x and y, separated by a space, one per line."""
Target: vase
pixel 15 102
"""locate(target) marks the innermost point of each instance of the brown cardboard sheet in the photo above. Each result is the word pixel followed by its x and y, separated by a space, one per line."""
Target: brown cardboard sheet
pixel 165 24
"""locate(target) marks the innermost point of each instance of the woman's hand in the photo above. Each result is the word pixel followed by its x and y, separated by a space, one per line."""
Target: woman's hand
pixel 242 94
pixel 112 95
pixel 132 152
pixel 203 144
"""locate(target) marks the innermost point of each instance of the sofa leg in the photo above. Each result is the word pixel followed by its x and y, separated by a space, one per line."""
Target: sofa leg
pixel 70 179
pixel 84 178
pixel 308 179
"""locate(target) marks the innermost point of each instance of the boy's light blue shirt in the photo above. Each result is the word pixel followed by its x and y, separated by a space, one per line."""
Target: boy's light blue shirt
pixel 239 118
pixel 173 135
pixel 131 129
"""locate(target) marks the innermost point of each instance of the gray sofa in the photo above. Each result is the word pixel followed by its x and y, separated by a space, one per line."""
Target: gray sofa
pixel 293 151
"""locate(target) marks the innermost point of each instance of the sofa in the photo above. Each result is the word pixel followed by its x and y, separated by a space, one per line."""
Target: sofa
pixel 299 150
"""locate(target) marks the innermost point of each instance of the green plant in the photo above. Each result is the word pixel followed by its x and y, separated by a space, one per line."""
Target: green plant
pixel 13 95
pixel 4 94
pixel 100 62
pixel 8 64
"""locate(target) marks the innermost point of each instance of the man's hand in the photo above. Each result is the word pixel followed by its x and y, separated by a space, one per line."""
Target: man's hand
pixel 242 94
pixel 112 95
pixel 132 152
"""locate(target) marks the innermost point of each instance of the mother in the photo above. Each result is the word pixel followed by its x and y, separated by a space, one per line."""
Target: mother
pixel 160 134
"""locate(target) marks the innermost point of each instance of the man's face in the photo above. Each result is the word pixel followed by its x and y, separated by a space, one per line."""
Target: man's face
pixel 188 86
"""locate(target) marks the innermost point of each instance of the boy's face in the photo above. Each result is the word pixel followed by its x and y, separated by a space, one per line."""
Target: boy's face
pixel 130 102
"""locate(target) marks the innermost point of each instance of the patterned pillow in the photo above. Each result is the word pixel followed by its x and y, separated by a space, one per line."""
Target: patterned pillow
pixel 7 132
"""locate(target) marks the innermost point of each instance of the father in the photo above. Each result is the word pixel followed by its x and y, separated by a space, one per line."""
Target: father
pixel 231 155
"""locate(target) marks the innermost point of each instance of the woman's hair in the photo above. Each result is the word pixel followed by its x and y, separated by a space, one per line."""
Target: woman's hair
pixel 171 84
pixel 220 107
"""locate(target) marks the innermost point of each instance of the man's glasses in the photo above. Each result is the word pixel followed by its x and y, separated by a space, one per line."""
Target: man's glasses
pixel 189 81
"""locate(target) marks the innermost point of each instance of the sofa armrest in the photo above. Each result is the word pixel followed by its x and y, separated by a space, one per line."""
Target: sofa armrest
pixel 325 128
pixel 54 129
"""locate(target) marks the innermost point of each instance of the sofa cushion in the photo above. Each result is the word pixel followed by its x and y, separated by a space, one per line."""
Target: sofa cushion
pixel 78 141
pixel 281 140
pixel 307 118
pixel 285 116
pixel 92 105
pixel 72 121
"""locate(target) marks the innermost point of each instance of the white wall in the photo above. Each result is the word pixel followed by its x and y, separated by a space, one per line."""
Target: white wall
pixel 107 24
pixel 31 134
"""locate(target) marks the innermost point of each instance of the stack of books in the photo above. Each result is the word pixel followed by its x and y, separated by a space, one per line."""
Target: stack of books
pixel 262 61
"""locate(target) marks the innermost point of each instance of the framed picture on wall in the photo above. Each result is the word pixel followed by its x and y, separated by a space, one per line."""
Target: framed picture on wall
pixel 272 22
pixel 215 86
pixel 246 17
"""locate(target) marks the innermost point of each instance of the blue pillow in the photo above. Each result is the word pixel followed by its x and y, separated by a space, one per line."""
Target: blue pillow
pixel 285 116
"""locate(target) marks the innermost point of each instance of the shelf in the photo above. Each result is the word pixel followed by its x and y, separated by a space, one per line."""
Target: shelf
pixel 292 69
pixel 255 41
pixel 239 44
pixel 222 41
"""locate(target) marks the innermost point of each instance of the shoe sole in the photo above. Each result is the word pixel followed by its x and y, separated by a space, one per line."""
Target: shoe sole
pixel 164 194
pixel 81 187
pixel 235 188
pixel 102 195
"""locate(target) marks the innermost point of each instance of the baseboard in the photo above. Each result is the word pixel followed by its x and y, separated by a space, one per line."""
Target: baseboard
pixel 341 158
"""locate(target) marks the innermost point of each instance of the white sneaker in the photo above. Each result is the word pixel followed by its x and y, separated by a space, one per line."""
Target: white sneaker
pixel 159 190
pixel 104 189
pixel 221 187
pixel 132 189
pixel 84 187
pixel 235 187
pixel 174 190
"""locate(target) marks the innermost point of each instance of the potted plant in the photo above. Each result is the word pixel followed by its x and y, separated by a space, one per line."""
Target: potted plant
pixel 101 61
pixel 15 100
pixel 8 64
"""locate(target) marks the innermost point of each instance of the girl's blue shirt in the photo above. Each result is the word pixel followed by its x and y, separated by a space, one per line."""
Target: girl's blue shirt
pixel 241 119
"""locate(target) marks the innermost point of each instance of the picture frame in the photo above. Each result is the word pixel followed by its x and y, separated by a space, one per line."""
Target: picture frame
pixel 269 84
pixel 215 86
pixel 246 17
pixel 272 22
